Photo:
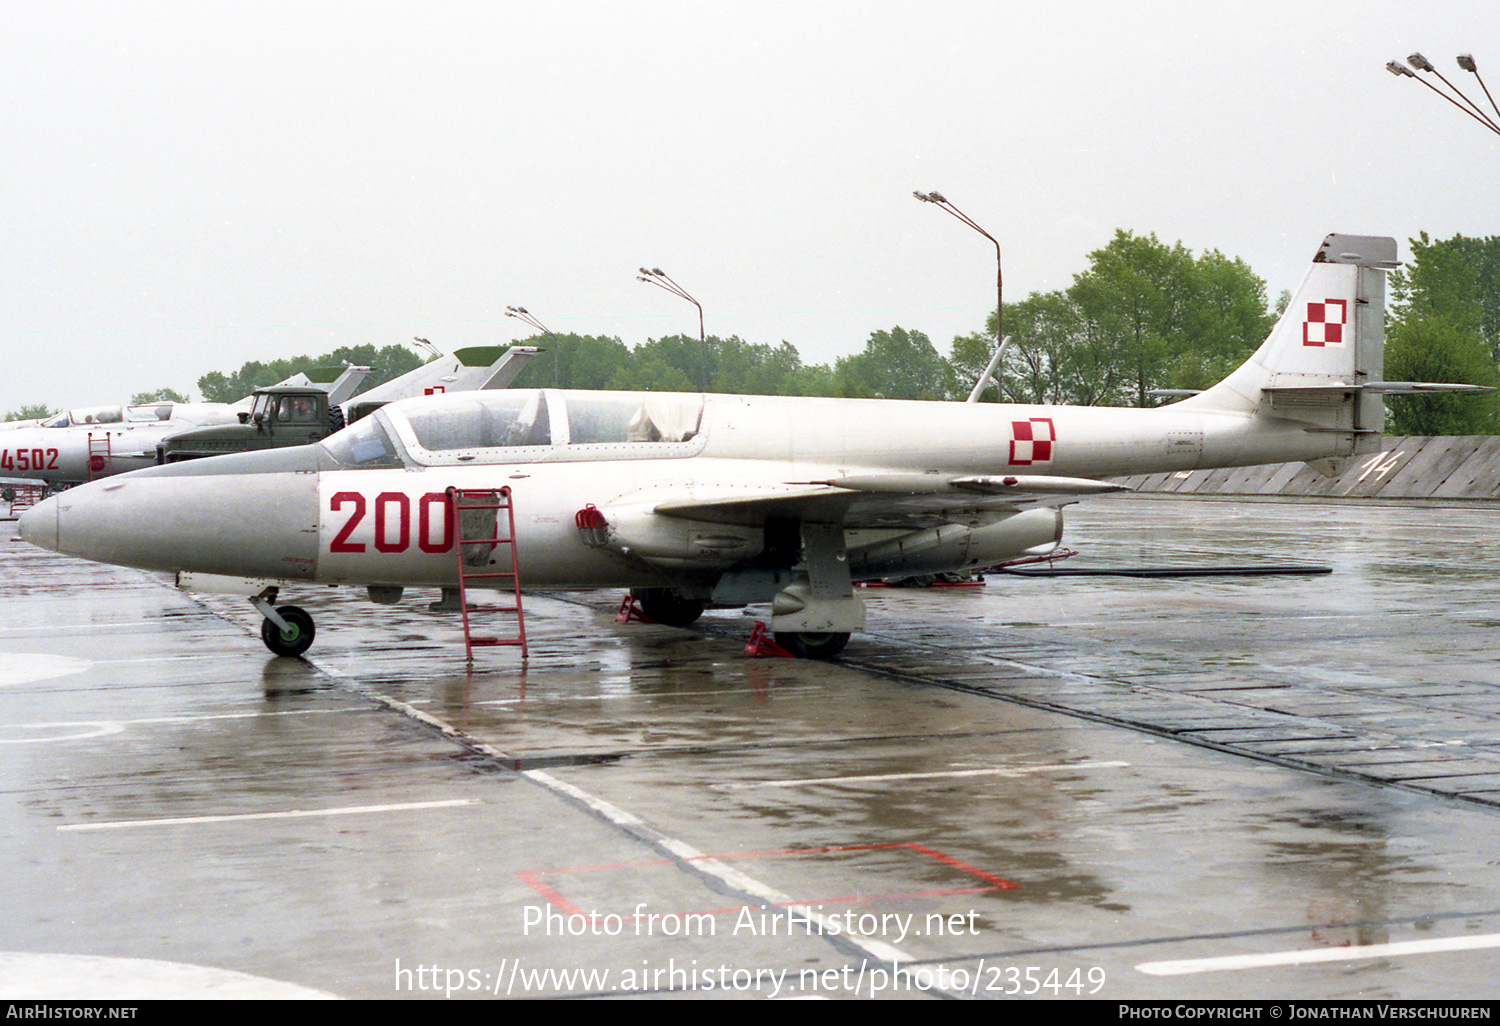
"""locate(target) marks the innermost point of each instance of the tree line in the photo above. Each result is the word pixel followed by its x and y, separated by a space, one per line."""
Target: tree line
pixel 1143 316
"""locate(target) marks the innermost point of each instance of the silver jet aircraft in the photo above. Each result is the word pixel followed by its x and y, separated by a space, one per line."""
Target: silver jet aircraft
pixel 81 444
pixel 693 500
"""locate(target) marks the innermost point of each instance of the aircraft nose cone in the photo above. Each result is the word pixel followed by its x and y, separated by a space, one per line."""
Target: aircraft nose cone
pixel 38 525
pixel 253 525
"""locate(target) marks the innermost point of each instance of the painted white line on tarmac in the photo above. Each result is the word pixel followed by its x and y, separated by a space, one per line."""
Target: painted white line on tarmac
pixel 779 691
pixel 35 976
pixel 79 730
pixel 29 667
pixel 994 771
pixel 348 810
pixel 1182 967
pixel 644 831
pixel 83 729
pixel 715 867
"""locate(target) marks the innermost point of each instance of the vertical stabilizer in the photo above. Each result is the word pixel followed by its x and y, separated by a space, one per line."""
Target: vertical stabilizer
pixel 1327 345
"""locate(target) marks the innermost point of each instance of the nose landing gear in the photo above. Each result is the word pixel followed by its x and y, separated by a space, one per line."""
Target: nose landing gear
pixel 295 638
pixel 286 630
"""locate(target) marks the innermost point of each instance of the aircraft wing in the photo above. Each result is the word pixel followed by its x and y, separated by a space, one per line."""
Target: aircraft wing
pixel 881 499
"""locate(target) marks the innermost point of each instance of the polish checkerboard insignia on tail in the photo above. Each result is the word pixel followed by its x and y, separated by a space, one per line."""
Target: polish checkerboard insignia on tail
pixel 1325 322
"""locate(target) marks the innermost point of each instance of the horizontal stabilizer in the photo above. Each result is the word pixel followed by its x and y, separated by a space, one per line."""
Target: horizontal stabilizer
pixel 1412 387
pixel 1337 390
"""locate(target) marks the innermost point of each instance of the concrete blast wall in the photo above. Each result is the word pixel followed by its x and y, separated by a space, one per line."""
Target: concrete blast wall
pixel 1440 467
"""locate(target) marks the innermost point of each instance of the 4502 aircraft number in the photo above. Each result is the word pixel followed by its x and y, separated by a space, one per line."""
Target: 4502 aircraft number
pixel 28 459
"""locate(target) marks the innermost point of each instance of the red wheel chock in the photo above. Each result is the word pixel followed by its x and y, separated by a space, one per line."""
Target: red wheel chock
pixel 630 612
pixel 761 644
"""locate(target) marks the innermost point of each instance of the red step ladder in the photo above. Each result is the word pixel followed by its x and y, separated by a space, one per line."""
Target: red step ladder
pixel 26 496
pixel 100 457
pixel 460 501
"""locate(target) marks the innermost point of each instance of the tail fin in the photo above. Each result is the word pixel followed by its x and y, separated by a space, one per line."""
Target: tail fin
pixel 1327 347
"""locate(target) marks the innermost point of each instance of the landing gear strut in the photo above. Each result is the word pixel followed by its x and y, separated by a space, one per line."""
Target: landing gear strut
pixel 813 616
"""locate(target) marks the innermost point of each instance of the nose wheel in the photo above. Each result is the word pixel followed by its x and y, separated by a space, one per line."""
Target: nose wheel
pixel 293 636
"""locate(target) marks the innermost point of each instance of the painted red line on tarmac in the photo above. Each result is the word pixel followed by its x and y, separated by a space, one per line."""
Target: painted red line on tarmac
pixel 964 866
pixel 551 895
pixel 996 883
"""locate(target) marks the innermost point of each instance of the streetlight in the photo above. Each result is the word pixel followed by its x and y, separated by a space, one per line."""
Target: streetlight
pixel 520 313
pixel 1466 62
pixel 1423 64
pixel 656 276
pixel 941 201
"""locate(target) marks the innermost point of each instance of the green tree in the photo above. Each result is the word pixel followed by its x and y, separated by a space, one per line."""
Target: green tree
pixel 896 364
pixel 745 368
pixel 385 363
pixel 573 361
pixel 31 411
pixel 1437 348
pixel 1134 295
pixel 1458 278
pixel 1143 316
pixel 653 372
pixel 1226 320
pixel 161 395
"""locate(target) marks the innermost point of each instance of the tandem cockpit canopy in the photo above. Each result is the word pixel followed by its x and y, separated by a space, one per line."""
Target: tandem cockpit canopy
pixel 518 425
pixel 143 413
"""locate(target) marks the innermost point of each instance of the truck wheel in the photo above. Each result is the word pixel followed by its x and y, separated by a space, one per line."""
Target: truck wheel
pixel 296 642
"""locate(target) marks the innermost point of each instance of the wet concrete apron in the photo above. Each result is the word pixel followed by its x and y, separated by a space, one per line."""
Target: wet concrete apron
pixel 987 797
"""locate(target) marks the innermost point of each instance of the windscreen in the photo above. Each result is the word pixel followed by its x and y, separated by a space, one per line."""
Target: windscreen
pixel 363 444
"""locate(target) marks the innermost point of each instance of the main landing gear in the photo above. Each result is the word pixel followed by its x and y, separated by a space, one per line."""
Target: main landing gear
pixel 667 607
pixel 806 645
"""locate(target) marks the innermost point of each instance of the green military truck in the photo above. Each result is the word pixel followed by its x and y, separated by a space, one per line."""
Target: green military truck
pixel 288 414
pixel 279 416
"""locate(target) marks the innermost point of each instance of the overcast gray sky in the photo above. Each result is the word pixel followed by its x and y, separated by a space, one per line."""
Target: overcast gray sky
pixel 187 186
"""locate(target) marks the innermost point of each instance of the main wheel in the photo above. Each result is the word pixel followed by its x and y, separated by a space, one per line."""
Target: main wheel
pixel 292 643
pixel 665 606
pixel 813 646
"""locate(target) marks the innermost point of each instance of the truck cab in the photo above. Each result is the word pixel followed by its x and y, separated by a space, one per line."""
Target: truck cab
pixel 279 416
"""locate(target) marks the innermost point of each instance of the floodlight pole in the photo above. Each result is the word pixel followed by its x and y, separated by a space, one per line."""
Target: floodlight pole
pixel 656 276
pixel 1421 63
pixel 1401 70
pixel 1466 62
pixel 520 313
pixel 941 202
